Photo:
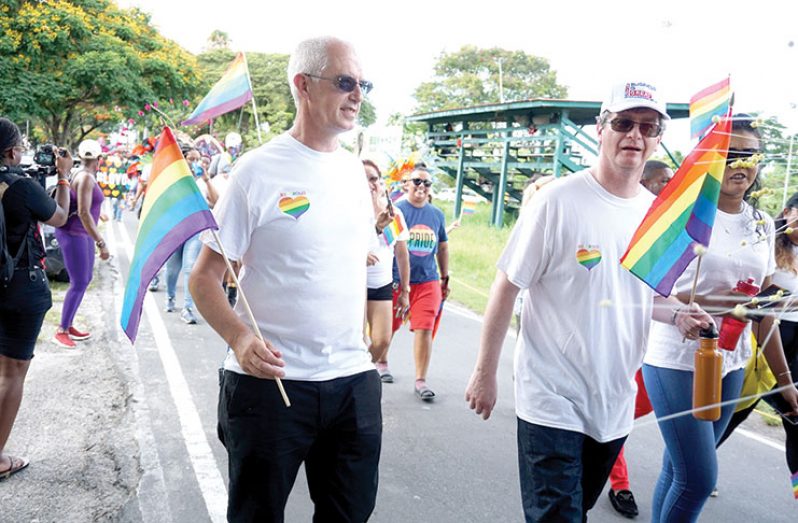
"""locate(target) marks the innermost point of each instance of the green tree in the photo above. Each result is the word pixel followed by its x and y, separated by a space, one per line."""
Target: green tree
pixel 368 114
pixel 473 76
pixel 219 40
pixel 76 66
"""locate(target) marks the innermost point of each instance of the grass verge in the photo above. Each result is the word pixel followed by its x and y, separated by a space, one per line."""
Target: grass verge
pixel 474 248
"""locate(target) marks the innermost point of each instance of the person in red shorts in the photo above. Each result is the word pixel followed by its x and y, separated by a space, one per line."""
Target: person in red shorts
pixel 429 281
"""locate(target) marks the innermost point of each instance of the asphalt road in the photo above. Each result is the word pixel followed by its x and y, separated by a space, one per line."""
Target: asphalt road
pixel 440 462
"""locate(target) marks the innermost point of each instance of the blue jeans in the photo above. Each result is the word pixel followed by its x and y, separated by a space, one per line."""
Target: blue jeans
pixel 689 464
pixel 182 261
pixel 117 207
pixel 562 472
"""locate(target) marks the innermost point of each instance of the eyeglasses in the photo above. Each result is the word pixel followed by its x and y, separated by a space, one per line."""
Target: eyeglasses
pixel 736 154
pixel 647 129
pixel 418 181
pixel 346 83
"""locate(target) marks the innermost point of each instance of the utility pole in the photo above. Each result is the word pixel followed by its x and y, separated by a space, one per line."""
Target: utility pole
pixel 501 81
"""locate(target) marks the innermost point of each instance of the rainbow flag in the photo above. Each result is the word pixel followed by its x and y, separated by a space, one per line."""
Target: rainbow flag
pixel 795 485
pixel 396 195
pixel 233 90
pixel 682 216
pixel 707 103
pixel 393 230
pixel 469 207
pixel 174 210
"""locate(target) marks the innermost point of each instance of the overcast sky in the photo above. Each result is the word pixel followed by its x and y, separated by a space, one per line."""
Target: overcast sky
pixel 680 46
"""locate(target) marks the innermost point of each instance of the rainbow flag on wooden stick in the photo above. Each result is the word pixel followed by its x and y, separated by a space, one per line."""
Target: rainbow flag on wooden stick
pixel 708 103
pixel 469 207
pixel 682 216
pixel 174 210
pixel 233 90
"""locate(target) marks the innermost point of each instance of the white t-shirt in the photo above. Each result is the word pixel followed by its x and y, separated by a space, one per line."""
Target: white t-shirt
pixel 381 273
pixel 301 223
pixel 585 319
pixel 738 249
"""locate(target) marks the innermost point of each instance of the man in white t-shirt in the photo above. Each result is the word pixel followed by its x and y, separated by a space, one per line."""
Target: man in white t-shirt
pixel 585 320
pixel 298 216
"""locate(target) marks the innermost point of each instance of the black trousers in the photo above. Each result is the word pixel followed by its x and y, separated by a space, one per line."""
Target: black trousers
pixel 334 427
pixel 789 340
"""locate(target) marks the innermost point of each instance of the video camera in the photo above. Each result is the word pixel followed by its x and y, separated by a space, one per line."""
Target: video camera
pixel 43 164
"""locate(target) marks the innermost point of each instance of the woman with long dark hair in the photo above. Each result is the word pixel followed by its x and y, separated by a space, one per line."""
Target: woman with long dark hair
pixel 25 296
pixel 741 248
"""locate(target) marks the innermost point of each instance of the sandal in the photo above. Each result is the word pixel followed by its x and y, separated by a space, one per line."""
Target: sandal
pixel 425 393
pixel 385 375
pixel 15 465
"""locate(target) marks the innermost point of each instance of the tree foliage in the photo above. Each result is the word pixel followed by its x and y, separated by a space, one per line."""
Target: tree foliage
pixel 76 66
pixel 218 40
pixel 471 76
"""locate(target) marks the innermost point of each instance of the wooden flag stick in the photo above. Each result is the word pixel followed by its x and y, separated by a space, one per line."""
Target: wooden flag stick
pixel 248 309
pixel 695 284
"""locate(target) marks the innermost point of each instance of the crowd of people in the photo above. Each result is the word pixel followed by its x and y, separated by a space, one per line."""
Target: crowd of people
pixel 300 215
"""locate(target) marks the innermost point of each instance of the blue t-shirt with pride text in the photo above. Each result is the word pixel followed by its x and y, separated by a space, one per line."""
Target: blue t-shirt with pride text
pixel 427 228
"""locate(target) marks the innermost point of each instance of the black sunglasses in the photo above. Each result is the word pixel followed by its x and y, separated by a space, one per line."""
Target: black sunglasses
pixel 624 125
pixel 737 154
pixel 419 181
pixel 346 83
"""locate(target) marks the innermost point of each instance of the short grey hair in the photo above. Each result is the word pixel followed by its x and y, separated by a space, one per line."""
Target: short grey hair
pixel 311 57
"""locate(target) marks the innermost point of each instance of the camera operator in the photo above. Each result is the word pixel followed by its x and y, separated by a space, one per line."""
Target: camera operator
pixel 25 297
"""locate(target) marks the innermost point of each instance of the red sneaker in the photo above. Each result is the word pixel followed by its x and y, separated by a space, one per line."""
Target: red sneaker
pixel 63 339
pixel 78 335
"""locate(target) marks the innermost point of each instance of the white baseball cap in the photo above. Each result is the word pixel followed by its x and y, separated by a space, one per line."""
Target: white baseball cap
pixel 232 140
pixel 89 149
pixel 633 95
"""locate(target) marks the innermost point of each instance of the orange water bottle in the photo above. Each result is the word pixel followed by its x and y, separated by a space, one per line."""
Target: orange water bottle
pixel 707 376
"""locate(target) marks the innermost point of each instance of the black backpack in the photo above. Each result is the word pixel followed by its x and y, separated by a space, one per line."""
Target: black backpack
pixel 7 262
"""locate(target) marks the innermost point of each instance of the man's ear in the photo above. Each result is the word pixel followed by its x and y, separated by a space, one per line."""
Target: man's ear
pixel 301 82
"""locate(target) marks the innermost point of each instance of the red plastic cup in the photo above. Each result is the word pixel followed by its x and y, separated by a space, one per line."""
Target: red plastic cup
pixel 730 331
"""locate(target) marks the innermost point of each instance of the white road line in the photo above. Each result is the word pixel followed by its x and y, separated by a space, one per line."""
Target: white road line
pixel 151 493
pixel 761 439
pixel 203 462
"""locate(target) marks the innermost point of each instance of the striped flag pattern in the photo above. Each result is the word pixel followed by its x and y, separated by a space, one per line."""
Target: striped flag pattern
pixel 174 210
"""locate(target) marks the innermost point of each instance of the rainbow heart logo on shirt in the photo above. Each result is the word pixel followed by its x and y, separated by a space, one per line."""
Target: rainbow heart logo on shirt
pixel 588 258
pixel 294 207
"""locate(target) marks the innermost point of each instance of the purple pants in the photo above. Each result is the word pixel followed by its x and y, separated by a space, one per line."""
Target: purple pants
pixel 78 252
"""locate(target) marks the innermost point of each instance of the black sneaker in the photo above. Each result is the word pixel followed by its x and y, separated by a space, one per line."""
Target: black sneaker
pixel 623 502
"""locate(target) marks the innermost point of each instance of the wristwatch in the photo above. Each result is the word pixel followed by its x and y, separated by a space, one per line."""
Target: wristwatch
pixel 100 244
